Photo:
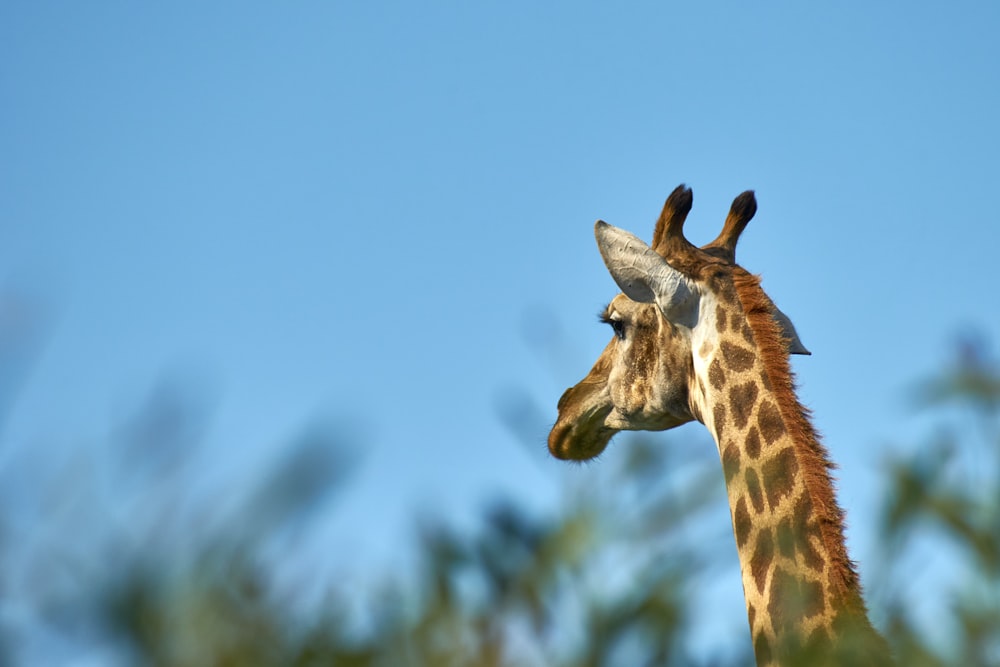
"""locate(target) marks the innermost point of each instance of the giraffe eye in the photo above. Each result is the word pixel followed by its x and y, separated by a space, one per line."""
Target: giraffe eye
pixel 611 317
pixel 618 326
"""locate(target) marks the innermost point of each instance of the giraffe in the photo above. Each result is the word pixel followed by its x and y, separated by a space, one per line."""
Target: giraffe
pixel 696 338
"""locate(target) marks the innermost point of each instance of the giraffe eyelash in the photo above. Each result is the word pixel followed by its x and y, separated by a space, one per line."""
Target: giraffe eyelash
pixel 617 324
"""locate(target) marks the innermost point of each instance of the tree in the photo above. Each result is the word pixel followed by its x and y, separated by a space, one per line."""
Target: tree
pixel 609 580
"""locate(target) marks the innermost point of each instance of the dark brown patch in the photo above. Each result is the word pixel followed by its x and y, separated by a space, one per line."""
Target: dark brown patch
pixel 737 358
pixel 751 614
pixel 753 486
pixel 793 600
pixel 804 527
pixel 752 444
pixel 746 331
pixel 812 558
pixel 763 554
pixel 742 398
pixel 783 587
pixel 716 376
pixel 813 599
pixel 779 476
pixel 783 601
pixel 719 419
pixel 762 649
pixel 721 321
pixel 765 380
pixel 730 462
pixel 741 522
pixel 786 538
pixel 769 422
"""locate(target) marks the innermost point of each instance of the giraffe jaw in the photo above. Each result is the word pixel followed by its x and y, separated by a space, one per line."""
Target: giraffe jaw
pixel 587 435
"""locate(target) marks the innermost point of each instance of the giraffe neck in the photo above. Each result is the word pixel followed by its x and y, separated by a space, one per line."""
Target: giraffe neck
pixel 802 593
pixel 797 579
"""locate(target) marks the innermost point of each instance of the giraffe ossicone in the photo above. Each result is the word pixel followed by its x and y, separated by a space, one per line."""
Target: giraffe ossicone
pixel 696 338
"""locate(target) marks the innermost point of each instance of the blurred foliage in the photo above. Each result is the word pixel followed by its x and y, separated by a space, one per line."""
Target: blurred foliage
pixel 612 578
pixel 612 570
pixel 943 507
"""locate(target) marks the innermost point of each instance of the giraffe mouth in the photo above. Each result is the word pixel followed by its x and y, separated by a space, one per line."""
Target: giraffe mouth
pixel 581 436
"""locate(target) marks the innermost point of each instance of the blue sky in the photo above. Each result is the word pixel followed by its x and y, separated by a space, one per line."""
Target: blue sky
pixel 381 214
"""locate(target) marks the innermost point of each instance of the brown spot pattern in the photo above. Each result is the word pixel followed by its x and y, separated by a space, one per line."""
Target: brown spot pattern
pixel 716 376
pixel 721 320
pixel 752 444
pixel 737 358
pixel 782 587
pixel 730 462
pixel 769 422
pixel 779 476
pixel 813 599
pixel 762 649
pixel 741 522
pixel 763 554
pixel 783 600
pixel 765 379
pixel 753 486
pixel 751 614
pixel 741 399
pixel 746 331
pixel 792 600
pixel 804 528
pixel 719 420
pixel 786 538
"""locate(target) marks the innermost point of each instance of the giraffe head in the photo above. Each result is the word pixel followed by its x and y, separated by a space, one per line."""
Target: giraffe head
pixel 651 376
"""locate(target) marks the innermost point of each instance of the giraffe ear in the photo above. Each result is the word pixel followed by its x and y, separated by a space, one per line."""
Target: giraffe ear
pixel 644 276
pixel 795 345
